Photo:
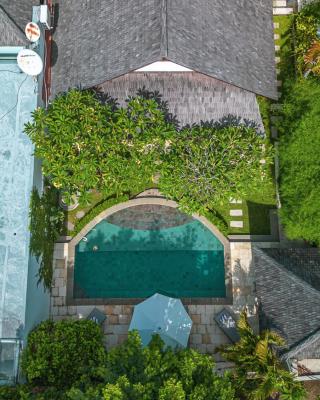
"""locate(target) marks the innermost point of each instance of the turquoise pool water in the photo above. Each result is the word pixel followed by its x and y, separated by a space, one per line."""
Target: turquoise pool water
pixel 146 249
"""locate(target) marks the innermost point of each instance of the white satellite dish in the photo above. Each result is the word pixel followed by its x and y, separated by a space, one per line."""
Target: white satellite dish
pixel 32 32
pixel 29 62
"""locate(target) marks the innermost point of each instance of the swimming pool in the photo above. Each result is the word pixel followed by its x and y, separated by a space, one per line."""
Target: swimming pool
pixel 144 249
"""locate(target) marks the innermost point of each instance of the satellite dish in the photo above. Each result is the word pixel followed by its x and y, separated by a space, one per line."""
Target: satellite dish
pixel 32 32
pixel 29 62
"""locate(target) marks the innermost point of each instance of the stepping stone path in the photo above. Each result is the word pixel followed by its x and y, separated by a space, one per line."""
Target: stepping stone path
pixel 70 226
pixel 236 224
pixel 236 213
pixel 80 214
pixel 280 7
pixel 234 201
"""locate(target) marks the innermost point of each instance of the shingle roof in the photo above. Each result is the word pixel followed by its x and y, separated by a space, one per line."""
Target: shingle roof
pixel 309 348
pixel 20 11
pixel 303 262
pixel 191 97
pixel 10 33
pixel 97 40
pixel 288 304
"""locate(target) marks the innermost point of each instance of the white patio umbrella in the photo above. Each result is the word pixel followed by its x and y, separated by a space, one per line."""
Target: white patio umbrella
pixel 164 316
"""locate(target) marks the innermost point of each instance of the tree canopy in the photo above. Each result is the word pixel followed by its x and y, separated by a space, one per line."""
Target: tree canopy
pixel 86 144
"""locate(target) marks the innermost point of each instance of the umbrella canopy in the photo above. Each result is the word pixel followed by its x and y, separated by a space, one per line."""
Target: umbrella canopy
pixel 164 316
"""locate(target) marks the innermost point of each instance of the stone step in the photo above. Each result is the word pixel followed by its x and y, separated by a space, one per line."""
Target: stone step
pixel 276 107
pixel 276 36
pixel 279 3
pixel 276 25
pixel 282 10
pixel 236 213
pixel 236 224
pixel 274 132
pixel 235 201
pixel 277 47
pixel 277 60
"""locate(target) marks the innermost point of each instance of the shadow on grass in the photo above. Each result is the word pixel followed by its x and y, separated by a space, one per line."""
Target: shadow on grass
pixel 259 218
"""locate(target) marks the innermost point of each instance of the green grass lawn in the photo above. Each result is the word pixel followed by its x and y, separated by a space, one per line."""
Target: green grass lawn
pixel 287 64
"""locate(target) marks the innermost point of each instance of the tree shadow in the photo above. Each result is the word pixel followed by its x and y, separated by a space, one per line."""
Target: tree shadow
pixel 259 218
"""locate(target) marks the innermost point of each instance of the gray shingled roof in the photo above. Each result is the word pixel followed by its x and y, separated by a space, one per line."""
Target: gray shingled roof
pixel 288 304
pixel 10 33
pixel 303 262
pixel 14 15
pixel 20 11
pixel 191 97
pixel 307 349
pixel 98 40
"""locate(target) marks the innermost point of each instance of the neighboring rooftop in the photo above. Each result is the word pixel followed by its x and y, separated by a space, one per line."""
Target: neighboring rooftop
pixel 288 303
pixel 224 39
pixel 191 97
pixel 303 262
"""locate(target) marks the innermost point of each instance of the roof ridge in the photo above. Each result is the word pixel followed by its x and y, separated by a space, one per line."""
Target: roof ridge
pixel 164 29
pixel 16 29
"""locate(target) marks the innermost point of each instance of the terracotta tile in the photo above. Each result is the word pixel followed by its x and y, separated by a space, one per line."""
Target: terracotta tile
pixel 206 339
pixel 113 319
pixel 196 318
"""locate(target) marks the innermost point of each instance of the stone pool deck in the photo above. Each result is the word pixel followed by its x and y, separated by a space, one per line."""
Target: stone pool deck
pixel 205 335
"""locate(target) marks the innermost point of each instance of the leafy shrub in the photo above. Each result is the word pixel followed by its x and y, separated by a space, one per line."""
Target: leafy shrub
pixel 88 145
pixel 207 165
pixel 137 373
pixel 9 393
pixel 85 144
pixel 46 222
pixel 300 162
pixel 112 201
pixel 306 26
pixel 60 353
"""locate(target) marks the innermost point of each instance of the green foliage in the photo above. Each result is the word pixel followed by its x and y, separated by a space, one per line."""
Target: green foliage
pixel 265 111
pixel 300 162
pixel 157 373
pixel 207 165
pixel 306 25
pixel 259 374
pixel 60 353
pixel 172 390
pixel 80 224
pixel 25 392
pixel 85 144
pixel 46 222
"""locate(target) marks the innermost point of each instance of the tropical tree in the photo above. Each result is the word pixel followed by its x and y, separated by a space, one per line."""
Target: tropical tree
pixel 259 374
pixel 85 144
pixel 208 164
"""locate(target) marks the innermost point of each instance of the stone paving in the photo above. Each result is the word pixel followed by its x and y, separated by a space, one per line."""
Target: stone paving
pixel 205 335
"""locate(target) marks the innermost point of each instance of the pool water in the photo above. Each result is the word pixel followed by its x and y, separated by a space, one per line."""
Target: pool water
pixel 146 249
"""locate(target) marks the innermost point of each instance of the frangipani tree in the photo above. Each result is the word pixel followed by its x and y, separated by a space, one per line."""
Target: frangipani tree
pixel 207 165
